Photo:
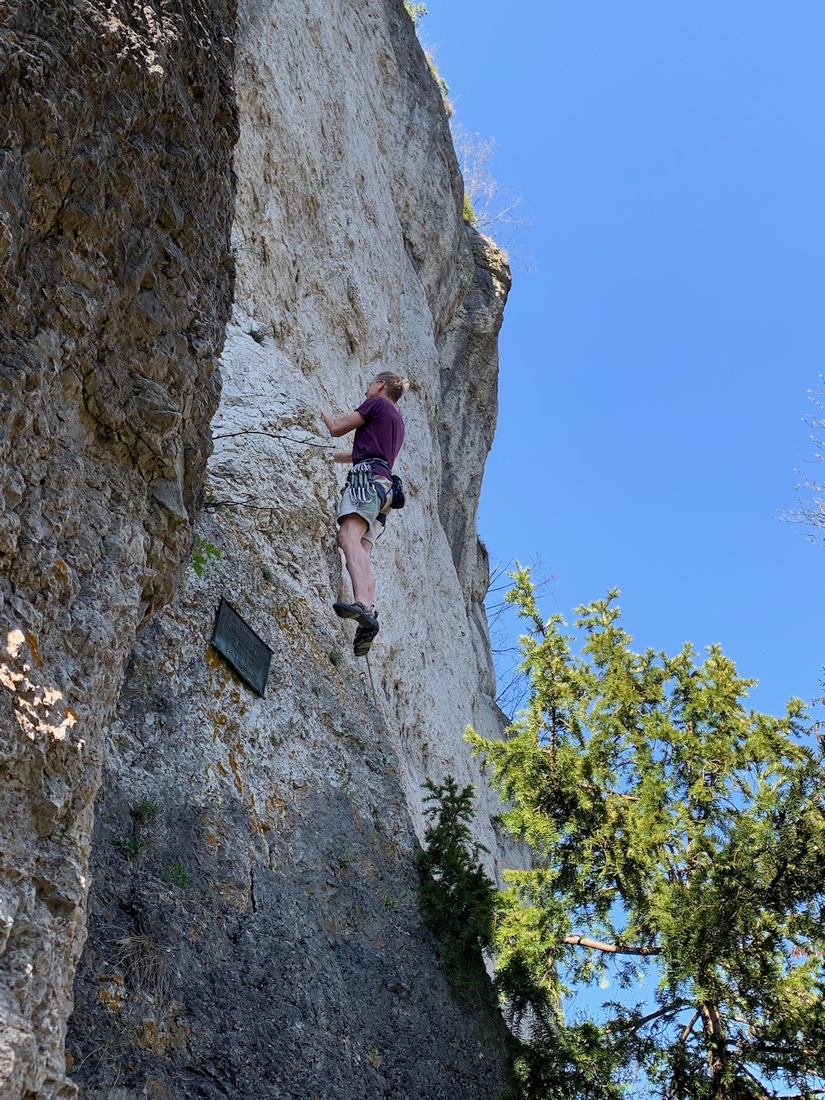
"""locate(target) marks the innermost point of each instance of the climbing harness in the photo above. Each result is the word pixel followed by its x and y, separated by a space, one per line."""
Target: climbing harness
pixel 398 498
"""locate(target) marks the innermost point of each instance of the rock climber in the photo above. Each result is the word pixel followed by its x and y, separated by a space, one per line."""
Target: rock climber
pixel 370 493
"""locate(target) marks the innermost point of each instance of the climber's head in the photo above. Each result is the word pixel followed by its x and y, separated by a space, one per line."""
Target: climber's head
pixel 387 384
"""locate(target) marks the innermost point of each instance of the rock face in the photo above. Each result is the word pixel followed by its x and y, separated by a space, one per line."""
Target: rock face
pixel 466 425
pixel 265 942
pixel 117 122
pixel 253 926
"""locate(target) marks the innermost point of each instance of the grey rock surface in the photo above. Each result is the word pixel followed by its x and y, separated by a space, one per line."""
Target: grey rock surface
pixel 117 122
pixel 466 426
pixel 289 960
pixel 256 933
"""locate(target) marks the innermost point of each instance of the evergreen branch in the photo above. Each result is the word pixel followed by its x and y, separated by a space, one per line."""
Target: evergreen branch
pixel 608 793
pixel 683 1038
pixel 762 1046
pixel 763 1091
pixel 634 1025
pixel 578 940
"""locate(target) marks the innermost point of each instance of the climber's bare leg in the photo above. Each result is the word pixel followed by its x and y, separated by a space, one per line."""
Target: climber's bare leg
pixel 370 601
pixel 356 549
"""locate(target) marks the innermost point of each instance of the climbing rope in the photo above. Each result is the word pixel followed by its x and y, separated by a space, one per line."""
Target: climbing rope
pixel 372 682
pixel 272 435
pixel 216 505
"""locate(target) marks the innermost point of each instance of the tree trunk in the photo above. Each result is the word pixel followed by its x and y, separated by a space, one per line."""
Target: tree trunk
pixel 716 1044
pixel 725 1083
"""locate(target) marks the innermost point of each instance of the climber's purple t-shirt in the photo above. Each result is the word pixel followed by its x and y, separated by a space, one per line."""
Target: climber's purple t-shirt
pixel 381 434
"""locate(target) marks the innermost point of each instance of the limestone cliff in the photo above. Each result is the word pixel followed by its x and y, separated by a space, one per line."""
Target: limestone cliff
pixel 117 122
pixel 253 929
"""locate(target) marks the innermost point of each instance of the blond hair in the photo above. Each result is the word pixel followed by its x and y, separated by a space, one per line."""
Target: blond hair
pixel 395 384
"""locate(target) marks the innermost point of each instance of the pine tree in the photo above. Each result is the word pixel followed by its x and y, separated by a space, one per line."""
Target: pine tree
pixel 676 835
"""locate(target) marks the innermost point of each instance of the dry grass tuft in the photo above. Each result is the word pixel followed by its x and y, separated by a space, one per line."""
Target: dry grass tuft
pixel 145 962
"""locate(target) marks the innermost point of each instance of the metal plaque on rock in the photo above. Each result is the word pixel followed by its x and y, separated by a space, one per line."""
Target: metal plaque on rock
pixel 235 640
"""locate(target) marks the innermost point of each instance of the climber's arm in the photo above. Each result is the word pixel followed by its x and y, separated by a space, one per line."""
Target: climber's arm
pixel 341 425
pixel 342 456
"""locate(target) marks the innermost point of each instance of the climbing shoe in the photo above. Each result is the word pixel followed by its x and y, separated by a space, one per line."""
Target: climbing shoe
pixel 365 636
pixel 353 611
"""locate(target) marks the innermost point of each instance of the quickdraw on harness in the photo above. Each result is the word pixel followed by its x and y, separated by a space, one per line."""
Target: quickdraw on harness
pixel 360 483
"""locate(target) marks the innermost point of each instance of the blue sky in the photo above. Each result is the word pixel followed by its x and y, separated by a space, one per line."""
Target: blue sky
pixel 655 367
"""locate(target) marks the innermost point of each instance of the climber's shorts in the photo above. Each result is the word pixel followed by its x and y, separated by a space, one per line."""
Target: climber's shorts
pixel 373 511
